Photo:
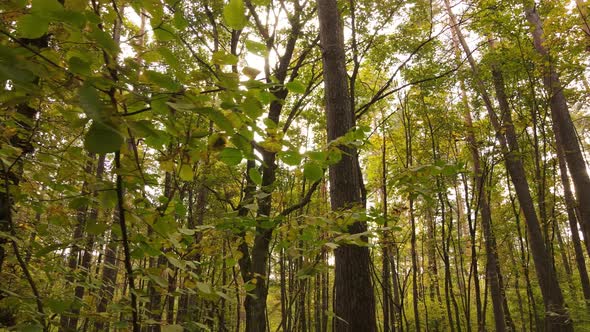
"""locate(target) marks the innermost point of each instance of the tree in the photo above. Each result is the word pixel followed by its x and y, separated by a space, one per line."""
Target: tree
pixel 292 165
pixel 354 303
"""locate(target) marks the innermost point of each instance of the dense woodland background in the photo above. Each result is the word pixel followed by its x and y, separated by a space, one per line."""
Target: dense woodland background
pixel 293 165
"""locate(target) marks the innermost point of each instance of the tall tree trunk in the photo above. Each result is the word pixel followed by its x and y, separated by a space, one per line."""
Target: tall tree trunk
pixel 354 298
pixel 109 276
pixel 407 124
pixel 525 261
pixel 570 204
pixel 556 317
pixel 492 264
pixel 71 322
pixel 389 316
pixel 562 122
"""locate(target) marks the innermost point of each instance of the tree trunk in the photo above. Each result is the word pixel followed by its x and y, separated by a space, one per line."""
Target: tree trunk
pixel 492 264
pixel 556 317
pixel 71 323
pixel 562 124
pixel 109 276
pixel 354 298
pixel 570 205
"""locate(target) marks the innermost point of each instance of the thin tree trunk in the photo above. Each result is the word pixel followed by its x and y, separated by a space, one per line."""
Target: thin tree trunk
pixel 109 277
pixel 388 310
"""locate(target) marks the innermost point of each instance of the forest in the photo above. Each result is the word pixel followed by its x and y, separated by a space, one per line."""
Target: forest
pixel 294 165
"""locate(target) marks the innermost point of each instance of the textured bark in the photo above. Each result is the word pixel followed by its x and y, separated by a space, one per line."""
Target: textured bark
pixel 354 298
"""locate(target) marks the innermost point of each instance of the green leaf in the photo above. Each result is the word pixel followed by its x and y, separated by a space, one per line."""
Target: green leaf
pixel 9 71
pixel 217 117
pixel 31 328
pixel 313 171
pixel 179 21
pixel 291 158
pixel 143 128
pixel 331 245
pixel 230 156
pixel 249 287
pixel 45 6
pixel 79 66
pixel 252 107
pixel 234 14
pixel 91 103
pixel 164 32
pixel 108 198
pixel 244 145
pixel 95 227
pixel 224 58
pixel 77 5
pixel 172 328
pixel 255 176
pixel 158 279
pixel 186 173
pixel 170 58
pixel 102 138
pixel 162 80
pixel 317 155
pixel 334 156
pixel 57 305
pixel 186 231
pixel 256 48
pixel 79 202
pixel 205 288
pixel 104 40
pixel 295 87
pixel 31 26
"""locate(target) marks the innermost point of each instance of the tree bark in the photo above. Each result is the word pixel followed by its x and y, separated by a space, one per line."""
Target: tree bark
pixel 354 298
pixel 562 123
